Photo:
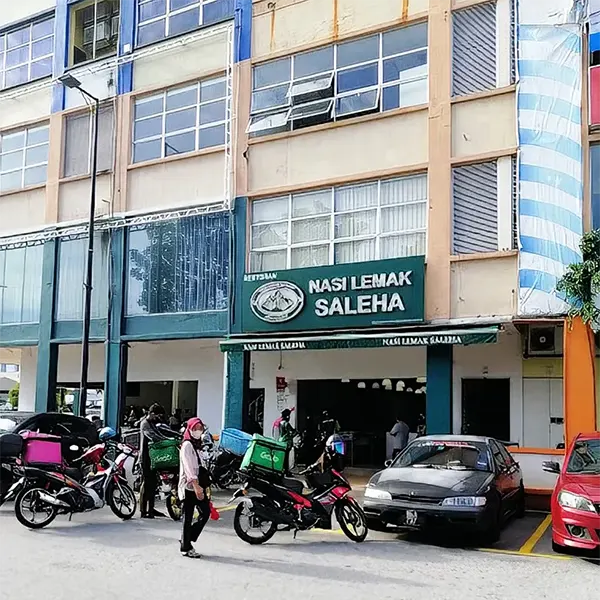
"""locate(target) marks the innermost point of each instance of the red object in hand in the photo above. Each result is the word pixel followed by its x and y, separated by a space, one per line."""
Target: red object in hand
pixel 214 513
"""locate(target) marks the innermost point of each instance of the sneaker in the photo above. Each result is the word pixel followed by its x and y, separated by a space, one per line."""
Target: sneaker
pixel 191 554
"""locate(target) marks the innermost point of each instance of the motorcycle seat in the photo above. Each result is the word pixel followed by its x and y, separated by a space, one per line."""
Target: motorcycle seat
pixel 293 484
pixel 72 472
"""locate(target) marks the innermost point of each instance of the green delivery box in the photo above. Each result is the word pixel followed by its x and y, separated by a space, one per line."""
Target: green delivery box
pixel 264 453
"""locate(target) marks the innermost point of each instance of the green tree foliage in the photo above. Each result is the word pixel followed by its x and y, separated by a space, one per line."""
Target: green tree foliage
pixel 13 396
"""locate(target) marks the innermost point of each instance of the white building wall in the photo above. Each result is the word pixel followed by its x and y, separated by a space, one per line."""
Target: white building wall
pixel 13 12
pixel 28 379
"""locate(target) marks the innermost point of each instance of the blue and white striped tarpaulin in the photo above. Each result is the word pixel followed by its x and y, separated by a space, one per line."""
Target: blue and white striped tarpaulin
pixel 550 163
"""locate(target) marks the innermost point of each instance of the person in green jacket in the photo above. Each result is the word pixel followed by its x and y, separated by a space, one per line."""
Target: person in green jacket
pixel 287 433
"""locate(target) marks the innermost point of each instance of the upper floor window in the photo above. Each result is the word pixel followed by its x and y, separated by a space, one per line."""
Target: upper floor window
pixel 371 74
pixel 95 30
pixel 159 19
pixel 23 158
pixel 347 224
pixel 180 120
pixel 26 53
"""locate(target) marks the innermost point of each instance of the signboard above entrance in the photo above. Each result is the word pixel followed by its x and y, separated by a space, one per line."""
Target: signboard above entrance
pixel 385 293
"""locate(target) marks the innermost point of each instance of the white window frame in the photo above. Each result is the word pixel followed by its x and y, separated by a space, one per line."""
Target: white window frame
pixel 29 45
pixel 198 127
pixel 292 82
pixel 331 240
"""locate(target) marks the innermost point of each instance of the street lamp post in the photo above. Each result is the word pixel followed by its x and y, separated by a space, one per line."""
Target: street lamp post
pixel 70 81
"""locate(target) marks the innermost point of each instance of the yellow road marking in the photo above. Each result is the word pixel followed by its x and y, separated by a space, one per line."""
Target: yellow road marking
pixel 226 508
pixel 519 553
pixel 536 536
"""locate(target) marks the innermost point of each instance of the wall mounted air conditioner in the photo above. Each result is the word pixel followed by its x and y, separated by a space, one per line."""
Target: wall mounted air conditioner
pixel 544 340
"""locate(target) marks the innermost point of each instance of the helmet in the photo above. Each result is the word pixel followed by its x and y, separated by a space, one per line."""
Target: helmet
pixel 107 433
pixel 335 444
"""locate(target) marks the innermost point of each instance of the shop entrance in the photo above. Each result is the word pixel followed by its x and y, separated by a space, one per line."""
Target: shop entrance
pixel 486 408
pixel 366 409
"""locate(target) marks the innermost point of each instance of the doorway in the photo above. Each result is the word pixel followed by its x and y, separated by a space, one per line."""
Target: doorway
pixel 486 408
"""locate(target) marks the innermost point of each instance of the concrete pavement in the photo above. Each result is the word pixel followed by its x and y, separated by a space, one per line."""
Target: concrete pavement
pixel 98 556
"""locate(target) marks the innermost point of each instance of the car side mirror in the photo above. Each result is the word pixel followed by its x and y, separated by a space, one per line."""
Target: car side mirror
pixel 551 466
pixel 387 463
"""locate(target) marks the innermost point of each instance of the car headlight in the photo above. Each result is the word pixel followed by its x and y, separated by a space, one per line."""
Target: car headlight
pixel 376 494
pixel 569 500
pixel 465 501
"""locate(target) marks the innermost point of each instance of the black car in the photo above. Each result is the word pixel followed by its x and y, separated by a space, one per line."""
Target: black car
pixel 450 480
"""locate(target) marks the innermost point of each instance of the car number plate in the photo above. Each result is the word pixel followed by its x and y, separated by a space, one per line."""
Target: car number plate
pixel 411 517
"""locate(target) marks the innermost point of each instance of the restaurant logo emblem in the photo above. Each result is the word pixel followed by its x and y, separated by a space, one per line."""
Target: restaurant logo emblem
pixel 277 301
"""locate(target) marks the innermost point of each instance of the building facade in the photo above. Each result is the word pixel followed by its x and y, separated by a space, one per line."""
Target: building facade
pixel 360 207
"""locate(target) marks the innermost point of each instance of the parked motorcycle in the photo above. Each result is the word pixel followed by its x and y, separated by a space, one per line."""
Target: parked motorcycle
pixel 283 506
pixel 48 493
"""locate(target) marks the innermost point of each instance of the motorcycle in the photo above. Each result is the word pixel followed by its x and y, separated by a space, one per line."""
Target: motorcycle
pixel 283 506
pixel 49 493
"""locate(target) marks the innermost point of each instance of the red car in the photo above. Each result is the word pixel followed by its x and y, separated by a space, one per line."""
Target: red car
pixel 576 497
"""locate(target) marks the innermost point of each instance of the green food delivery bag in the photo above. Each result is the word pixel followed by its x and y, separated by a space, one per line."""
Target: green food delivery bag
pixel 164 454
pixel 265 453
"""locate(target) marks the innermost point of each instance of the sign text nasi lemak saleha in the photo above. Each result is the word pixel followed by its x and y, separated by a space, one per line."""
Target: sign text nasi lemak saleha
pixel 378 293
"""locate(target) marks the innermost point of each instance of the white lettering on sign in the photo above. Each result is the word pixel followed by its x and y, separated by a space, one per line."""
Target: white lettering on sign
pixel 263 346
pixel 361 305
pixel 423 340
pixel 377 281
pixel 260 277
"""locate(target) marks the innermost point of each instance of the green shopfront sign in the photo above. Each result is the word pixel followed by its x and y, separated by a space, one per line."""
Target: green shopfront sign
pixel 378 293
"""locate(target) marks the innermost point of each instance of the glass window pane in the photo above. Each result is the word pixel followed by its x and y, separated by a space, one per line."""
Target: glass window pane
pixel 311 230
pixel 18 38
pixel 35 175
pixel 265 236
pixel 177 4
pixel 17 56
pixel 414 93
pixel 351 252
pixel 176 121
pixel 16 76
pixel 14 267
pixel 358 51
pixel 39 135
pixel 43 29
pixel 352 197
pixel 403 218
pixel 355 224
pixel 12 141
pixel 10 181
pixel 357 103
pixel 276 71
pixel 311 63
pixel 71 266
pixel 36 155
pixel 185 21
pixel 32 285
pixel 42 48
pixel 405 67
pixel 218 11
pixel 77 145
pixel 180 143
pixel 152 9
pixel 357 78
pixel 405 39
pixel 147 128
pixel 149 106
pixel 41 68
pixel 212 89
pixel 182 98
pixel 273 260
pixel 406 189
pixel 273 209
pixel 391 98
pixel 313 203
pixel 212 136
pixel 11 161
pixel 152 32
pixel 309 256
pixel 270 98
pixel 212 112
pixel 146 150
pixel 312 109
pixel 398 246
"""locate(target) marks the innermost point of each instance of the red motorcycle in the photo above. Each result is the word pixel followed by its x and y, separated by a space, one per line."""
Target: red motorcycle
pixel 283 506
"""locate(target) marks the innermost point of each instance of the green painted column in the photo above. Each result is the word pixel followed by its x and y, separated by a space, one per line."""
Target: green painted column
pixel 237 263
pixel 47 357
pixel 115 370
pixel 439 389
pixel 237 383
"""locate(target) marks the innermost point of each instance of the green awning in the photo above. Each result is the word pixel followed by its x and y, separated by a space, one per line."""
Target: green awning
pixel 454 337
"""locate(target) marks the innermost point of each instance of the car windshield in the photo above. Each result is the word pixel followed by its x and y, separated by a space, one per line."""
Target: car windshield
pixel 433 454
pixel 585 458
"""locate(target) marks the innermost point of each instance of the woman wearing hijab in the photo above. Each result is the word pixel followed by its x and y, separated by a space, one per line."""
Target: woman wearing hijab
pixel 194 481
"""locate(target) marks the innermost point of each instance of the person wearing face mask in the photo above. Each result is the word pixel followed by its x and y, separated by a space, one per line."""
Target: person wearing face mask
pixel 194 482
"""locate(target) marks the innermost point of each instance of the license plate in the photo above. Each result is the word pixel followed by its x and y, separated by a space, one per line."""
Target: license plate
pixel 411 517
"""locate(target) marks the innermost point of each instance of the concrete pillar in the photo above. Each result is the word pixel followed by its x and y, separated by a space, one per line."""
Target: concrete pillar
pixel 439 389
pixel 237 382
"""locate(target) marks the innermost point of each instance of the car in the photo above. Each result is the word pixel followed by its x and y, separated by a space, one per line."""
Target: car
pixel 467 482
pixel 575 501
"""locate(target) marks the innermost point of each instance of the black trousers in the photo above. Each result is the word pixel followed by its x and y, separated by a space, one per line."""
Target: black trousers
pixel 191 531
pixel 148 491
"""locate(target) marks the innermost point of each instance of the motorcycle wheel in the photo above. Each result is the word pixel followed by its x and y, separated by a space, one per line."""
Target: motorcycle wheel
pixel 352 520
pixel 174 507
pixel 244 511
pixel 121 499
pixel 28 503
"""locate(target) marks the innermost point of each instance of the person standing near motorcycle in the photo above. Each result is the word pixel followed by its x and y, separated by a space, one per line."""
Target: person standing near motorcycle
pixel 149 432
pixel 287 433
pixel 194 482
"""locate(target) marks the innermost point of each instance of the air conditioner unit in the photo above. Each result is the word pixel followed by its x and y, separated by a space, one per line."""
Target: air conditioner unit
pixel 103 34
pixel 544 340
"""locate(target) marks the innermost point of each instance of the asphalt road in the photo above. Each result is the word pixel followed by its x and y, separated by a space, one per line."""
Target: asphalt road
pixel 97 556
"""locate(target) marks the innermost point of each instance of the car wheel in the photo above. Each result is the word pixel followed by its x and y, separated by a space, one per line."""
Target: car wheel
pixel 492 533
pixel 375 524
